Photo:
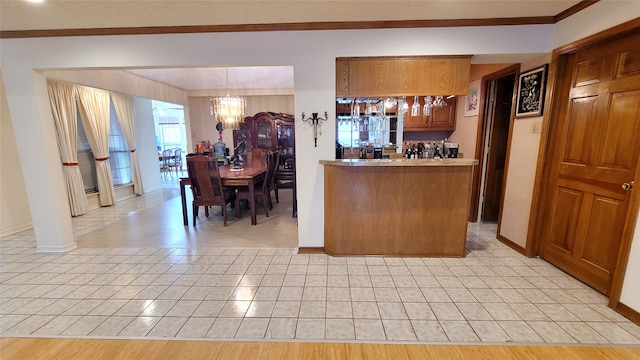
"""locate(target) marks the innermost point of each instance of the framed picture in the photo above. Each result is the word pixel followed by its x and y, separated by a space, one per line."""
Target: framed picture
pixel 531 91
pixel 472 100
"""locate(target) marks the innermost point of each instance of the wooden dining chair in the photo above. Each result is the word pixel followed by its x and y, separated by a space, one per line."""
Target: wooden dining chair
pixel 165 164
pixel 275 162
pixel 261 191
pixel 206 185
pixel 176 162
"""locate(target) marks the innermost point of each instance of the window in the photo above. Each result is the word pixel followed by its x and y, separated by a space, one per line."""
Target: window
pixel 119 158
pixel 118 152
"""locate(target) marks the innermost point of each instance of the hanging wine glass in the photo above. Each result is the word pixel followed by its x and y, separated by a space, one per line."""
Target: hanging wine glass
pixel 415 108
pixel 428 104
pixel 380 106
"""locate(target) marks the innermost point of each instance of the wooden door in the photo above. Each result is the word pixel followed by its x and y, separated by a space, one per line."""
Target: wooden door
pixel 497 153
pixel 593 151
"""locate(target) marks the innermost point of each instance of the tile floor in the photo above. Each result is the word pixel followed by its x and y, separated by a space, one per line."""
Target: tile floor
pixel 493 295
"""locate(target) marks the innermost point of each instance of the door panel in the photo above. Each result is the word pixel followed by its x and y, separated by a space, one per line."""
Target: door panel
pixel 594 149
pixel 566 205
pixel 579 132
pixel 602 233
pixel 620 132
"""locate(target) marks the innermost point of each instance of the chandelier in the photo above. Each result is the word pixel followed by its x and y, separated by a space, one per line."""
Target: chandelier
pixel 229 110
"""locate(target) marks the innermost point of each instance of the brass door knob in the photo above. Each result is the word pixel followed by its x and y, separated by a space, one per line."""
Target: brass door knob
pixel 627 186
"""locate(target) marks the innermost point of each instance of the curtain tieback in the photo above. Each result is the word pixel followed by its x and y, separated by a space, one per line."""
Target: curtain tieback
pixel 134 150
pixel 70 164
pixel 102 159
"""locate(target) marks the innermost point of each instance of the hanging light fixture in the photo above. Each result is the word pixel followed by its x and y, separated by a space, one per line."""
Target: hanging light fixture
pixel 229 110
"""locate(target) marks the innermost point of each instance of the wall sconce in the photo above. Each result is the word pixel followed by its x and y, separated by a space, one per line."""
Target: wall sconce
pixel 316 122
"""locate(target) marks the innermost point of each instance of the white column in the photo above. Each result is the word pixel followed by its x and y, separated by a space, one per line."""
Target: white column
pixel 38 152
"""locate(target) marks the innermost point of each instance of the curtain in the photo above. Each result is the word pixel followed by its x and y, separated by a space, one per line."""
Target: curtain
pixel 62 97
pixel 96 116
pixel 124 111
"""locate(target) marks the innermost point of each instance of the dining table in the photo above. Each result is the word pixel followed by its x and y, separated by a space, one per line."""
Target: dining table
pixel 249 175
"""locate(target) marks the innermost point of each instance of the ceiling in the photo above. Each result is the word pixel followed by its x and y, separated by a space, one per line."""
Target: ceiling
pixel 22 15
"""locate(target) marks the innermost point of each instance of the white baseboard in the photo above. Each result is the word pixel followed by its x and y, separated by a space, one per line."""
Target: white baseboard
pixel 16 229
pixel 56 249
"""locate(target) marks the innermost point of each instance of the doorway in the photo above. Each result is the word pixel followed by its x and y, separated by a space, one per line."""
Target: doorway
pixel 171 140
pixel 492 145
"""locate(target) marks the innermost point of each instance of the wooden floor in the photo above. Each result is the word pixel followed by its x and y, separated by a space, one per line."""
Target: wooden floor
pixel 94 349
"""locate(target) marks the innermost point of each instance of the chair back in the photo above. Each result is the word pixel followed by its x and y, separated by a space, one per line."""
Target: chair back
pixel 272 163
pixel 166 157
pixel 178 158
pixel 204 175
pixel 275 162
pixel 257 156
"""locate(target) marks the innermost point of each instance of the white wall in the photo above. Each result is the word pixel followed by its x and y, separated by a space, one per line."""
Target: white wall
pixel 146 144
pixel 14 208
pixel 204 128
pixel 521 172
pixel 595 18
pixel 631 289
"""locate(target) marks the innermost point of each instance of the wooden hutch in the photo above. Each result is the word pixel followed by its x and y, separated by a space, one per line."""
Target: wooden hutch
pixel 275 132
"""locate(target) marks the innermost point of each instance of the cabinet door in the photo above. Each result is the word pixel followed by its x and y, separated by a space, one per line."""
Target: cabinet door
pixel 397 76
pixel 342 78
pixel 285 135
pixel 263 131
pixel 414 123
pixel 243 133
pixel 443 118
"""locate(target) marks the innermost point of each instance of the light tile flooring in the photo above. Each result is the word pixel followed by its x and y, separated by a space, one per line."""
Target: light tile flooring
pixel 493 295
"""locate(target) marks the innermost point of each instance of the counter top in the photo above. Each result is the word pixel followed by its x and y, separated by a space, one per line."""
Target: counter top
pixel 400 162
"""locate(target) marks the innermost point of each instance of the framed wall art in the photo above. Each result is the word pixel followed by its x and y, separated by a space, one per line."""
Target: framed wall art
pixel 531 92
pixel 471 101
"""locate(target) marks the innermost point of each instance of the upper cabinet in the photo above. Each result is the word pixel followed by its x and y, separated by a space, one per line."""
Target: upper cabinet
pixel 267 130
pixel 441 118
pixel 402 76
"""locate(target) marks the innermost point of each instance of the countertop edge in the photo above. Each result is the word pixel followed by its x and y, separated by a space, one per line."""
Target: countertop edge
pixel 400 162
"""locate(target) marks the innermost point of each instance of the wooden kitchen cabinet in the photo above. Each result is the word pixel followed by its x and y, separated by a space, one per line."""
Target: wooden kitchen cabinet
pixel 441 119
pixel 402 76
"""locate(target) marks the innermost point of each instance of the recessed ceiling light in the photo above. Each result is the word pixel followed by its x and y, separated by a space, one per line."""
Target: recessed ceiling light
pixel 36 1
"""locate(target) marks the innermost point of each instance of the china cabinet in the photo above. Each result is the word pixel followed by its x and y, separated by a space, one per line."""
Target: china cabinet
pixel 275 132
pixel 267 130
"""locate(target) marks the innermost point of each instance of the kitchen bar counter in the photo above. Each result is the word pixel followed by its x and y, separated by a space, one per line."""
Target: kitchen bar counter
pixel 397 207
pixel 400 162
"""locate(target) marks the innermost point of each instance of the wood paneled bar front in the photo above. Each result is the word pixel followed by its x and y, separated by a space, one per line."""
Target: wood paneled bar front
pixel 397 207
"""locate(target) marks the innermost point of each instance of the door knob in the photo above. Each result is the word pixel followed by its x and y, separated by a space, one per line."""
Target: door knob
pixel 627 186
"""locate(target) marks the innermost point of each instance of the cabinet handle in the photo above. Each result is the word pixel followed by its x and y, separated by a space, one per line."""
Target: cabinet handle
pixel 627 186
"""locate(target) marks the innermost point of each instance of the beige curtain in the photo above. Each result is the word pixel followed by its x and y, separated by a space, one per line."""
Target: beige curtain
pixel 124 111
pixel 62 97
pixel 95 114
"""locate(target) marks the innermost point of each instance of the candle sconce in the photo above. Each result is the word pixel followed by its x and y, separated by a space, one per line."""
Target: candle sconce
pixel 316 122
